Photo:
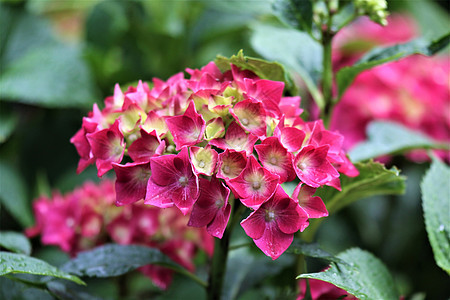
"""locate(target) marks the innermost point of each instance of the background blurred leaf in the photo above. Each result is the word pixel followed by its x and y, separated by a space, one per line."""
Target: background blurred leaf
pixel 8 122
pixel 15 290
pixel 19 263
pixel 246 269
pixel 295 49
pixel 13 195
pixel 363 275
pixel 15 242
pixel 436 207
pixel 373 179
pixel 386 138
pixel 296 13
pixel 36 68
pixel 381 55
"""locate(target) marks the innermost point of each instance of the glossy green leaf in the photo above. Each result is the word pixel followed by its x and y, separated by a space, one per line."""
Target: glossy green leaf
pixel 15 242
pixel 296 13
pixel 386 138
pixel 264 69
pixel 13 195
pixel 294 49
pixel 436 208
pixel 374 179
pixel 11 263
pixel 378 56
pixel 114 260
pixel 312 250
pixel 363 275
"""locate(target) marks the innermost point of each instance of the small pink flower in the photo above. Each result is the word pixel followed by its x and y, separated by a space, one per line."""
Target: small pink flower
pixel 269 92
pixel 107 147
pixel 313 206
pixel 172 182
pixel 211 208
pixel 187 129
pixel 291 138
pixel 312 166
pixel 236 139
pixel 275 158
pixel 230 164
pixel 145 147
pixel 251 115
pixel 255 184
pixel 82 144
pixel 131 182
pixel 272 226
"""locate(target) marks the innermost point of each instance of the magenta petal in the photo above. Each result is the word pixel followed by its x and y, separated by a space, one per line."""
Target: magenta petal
pixel 107 147
pixel 187 129
pixel 230 164
pixel 255 224
pixel 274 242
pixel 217 226
pixel 159 196
pixel 292 218
pixel 313 206
pixel 131 182
pixel 144 147
pixel 236 139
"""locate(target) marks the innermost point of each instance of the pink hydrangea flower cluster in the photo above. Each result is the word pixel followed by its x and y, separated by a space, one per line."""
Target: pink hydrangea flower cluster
pixel 86 217
pixel 414 91
pixel 209 142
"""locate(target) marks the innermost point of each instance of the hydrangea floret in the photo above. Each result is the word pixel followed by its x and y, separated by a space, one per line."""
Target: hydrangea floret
pixel 211 143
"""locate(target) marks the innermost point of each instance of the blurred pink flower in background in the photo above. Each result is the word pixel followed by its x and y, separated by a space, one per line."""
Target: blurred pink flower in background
pixel 414 91
pixel 87 217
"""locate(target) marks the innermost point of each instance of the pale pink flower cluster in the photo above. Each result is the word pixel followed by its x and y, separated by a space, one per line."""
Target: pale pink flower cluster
pixel 204 143
pixel 87 217
pixel 414 91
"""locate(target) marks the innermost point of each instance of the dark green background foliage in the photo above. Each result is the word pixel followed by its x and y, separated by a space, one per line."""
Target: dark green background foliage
pixel 59 57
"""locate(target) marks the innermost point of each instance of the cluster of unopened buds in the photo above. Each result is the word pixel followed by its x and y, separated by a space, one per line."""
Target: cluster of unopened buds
pixel 211 143
pixel 86 217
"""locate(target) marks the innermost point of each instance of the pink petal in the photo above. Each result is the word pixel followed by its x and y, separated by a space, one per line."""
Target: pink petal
pixel 274 242
pixel 254 225
pixel 230 164
pixel 145 147
pixel 131 182
pixel 251 115
pixel 313 206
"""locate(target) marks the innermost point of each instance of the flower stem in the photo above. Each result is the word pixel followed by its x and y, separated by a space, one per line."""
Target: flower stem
pixel 219 260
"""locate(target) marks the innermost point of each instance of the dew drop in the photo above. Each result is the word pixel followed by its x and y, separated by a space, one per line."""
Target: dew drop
pixel 441 228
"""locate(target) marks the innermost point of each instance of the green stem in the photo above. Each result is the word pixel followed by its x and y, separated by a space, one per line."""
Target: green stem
pixel 219 260
pixel 327 77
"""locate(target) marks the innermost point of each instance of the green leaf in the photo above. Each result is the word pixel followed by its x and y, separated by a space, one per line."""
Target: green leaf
pixel 8 122
pixel 312 250
pixel 387 138
pixel 374 179
pixel 37 68
pixel 11 289
pixel 15 241
pixel 51 76
pixel 378 56
pixel 363 276
pixel 436 208
pixel 296 13
pixel 114 260
pixel 264 69
pixel 11 263
pixel 294 49
pixel 13 195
